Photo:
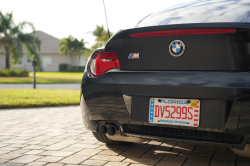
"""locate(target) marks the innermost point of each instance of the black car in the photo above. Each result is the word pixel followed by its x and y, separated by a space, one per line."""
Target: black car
pixel 181 74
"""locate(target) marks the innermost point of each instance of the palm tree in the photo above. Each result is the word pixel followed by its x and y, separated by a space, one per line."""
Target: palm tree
pixel 80 49
pixel 67 46
pixel 102 38
pixel 101 35
pixel 13 39
pixel 98 32
pixel 73 47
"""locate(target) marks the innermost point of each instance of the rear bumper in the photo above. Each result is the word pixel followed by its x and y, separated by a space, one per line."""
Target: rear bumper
pixel 122 98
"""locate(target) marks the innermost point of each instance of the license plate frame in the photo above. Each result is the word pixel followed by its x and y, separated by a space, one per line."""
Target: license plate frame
pixel 181 112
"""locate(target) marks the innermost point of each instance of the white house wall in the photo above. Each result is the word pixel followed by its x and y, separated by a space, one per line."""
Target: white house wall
pixel 2 61
pixel 50 63
pixel 82 61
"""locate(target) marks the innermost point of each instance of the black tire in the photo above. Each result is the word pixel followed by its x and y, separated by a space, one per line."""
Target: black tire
pixel 243 153
pixel 103 138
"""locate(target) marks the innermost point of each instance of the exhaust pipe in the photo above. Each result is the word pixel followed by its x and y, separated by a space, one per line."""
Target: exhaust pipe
pixel 111 129
pixel 102 129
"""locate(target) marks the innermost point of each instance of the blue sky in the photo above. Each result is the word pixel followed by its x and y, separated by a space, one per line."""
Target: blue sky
pixel 61 18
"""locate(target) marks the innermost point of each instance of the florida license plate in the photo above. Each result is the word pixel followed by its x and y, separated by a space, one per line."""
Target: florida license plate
pixel 182 112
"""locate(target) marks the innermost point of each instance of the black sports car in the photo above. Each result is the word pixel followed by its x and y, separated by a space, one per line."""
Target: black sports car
pixel 181 74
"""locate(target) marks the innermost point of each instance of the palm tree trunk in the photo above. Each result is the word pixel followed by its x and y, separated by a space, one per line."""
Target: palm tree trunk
pixel 7 58
pixel 78 61
pixel 71 57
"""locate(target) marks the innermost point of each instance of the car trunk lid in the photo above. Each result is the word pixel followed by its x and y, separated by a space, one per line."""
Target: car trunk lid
pixel 226 51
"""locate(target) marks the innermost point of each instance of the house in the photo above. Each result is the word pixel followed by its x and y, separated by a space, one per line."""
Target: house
pixel 49 54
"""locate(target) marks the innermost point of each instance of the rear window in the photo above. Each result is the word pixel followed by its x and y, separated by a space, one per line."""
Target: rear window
pixel 201 12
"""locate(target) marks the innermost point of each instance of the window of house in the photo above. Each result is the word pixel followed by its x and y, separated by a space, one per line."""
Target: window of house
pixel 20 62
pixel 29 59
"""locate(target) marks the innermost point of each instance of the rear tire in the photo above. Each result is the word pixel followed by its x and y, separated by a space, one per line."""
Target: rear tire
pixel 244 153
pixel 103 138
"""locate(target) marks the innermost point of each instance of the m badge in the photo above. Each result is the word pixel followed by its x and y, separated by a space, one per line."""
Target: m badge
pixel 133 56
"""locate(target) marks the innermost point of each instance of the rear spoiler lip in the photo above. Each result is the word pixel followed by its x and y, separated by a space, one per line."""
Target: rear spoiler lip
pixel 230 25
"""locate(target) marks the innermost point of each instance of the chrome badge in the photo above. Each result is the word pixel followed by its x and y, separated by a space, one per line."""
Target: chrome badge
pixel 133 56
pixel 176 48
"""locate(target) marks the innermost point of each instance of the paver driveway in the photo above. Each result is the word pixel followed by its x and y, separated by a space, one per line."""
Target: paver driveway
pixel 55 136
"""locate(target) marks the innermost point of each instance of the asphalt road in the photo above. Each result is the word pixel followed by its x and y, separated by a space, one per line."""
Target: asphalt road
pixel 41 86
pixel 55 136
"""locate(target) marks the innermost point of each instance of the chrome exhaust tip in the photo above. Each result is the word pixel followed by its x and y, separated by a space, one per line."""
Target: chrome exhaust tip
pixel 111 129
pixel 102 129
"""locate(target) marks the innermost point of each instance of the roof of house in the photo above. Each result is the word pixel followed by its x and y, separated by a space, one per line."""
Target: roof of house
pixel 49 44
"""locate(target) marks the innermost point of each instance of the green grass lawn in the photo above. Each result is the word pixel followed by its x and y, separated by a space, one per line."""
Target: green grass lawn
pixel 23 98
pixel 46 78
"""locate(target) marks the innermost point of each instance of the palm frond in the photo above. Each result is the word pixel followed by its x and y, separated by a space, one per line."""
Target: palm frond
pixel 16 50
pixel 67 45
pixel 98 31
pixel 13 38
pixel 24 24
pixel 32 45
pixel 6 20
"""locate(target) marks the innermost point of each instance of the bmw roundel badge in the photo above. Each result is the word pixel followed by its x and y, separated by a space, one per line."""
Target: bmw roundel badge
pixel 176 48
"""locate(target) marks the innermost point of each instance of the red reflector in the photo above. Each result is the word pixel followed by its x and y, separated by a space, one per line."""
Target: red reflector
pixel 195 124
pixel 183 32
pixel 102 62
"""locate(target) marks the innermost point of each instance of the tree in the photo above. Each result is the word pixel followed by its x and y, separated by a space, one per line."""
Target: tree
pixel 13 39
pixel 101 35
pixel 67 47
pixel 102 38
pixel 73 47
pixel 80 49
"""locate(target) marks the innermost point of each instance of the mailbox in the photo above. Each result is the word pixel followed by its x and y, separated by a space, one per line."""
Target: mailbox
pixel 34 63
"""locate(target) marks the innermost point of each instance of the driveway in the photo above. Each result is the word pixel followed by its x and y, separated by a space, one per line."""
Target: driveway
pixel 41 86
pixel 55 136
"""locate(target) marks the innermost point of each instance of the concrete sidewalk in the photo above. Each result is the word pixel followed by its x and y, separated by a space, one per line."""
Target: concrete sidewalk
pixel 41 86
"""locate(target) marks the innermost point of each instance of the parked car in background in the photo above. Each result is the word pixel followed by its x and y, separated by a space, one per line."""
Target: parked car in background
pixel 181 74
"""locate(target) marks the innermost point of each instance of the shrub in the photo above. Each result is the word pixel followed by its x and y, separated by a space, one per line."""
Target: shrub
pixel 75 69
pixel 63 67
pixel 14 73
pixel 66 68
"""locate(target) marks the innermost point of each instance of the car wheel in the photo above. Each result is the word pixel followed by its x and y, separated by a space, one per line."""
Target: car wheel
pixel 103 138
pixel 244 153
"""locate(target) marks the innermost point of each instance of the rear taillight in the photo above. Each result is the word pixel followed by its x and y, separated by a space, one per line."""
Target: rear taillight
pixel 182 32
pixel 102 62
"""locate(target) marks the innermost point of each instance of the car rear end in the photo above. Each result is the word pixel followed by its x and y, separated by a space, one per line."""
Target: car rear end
pixel 138 87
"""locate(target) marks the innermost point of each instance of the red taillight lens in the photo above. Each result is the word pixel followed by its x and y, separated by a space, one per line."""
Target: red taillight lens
pixel 102 62
pixel 182 32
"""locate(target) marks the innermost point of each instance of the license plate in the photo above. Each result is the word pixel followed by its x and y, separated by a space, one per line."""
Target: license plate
pixel 182 112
